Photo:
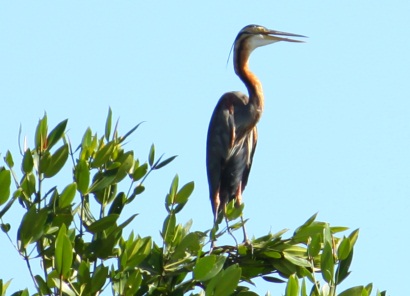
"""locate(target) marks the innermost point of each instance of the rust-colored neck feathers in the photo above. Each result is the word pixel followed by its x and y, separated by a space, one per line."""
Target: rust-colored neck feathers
pixel 252 83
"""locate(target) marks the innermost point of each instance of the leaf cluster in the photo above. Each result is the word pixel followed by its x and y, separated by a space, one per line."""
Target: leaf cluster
pixel 76 234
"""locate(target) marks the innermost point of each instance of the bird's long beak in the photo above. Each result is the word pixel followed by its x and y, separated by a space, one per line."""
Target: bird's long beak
pixel 273 35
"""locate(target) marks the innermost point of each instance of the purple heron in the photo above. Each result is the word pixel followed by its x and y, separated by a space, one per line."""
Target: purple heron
pixel 232 133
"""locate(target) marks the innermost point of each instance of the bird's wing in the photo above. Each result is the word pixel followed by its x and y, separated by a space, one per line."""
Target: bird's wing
pixel 221 139
pixel 251 142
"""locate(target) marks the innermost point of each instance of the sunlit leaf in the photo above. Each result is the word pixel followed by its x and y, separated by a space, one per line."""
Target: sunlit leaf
pixel 292 287
pixel 344 249
pixel 63 252
pixel 207 267
pixel 41 134
pixel 327 263
pixel 353 237
pixel 103 155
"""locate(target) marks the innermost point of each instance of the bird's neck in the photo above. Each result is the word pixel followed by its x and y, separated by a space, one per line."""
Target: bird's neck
pixel 250 80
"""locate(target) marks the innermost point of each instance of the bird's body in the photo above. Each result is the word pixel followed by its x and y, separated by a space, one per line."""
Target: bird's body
pixel 232 133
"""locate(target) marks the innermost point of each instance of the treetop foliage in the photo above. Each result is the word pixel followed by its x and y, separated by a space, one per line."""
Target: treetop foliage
pixel 75 233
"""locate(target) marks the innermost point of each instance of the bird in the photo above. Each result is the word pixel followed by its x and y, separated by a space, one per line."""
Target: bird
pixel 232 133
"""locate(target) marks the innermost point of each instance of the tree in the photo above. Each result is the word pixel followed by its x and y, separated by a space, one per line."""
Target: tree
pixel 76 235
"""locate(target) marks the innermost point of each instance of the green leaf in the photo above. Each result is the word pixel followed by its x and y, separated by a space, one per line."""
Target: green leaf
pixel 353 237
pixel 108 125
pixel 41 134
pixel 8 159
pixel 314 245
pixel 272 279
pixel 292 287
pixel 127 161
pixel 56 134
pixel 354 291
pixel 5 227
pixel 137 250
pixel 296 260
pixel 224 283
pixel 140 172
pixel 151 155
pixel 103 155
pixel 42 285
pixel 303 291
pixel 31 227
pixel 168 229
pixel 67 196
pixel 344 249
pixel 63 253
pixel 118 204
pixel 130 132
pixel 27 165
pixel 342 270
pixel 207 267
pixel 137 190
pixel 99 278
pixel 184 193
pixel 58 159
pixel 5 183
pixel 191 243
pixel 103 223
pixel 82 176
pixel 327 263
pixel 165 162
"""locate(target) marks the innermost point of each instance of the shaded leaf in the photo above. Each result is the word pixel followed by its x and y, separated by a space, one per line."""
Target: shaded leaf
pixel 8 159
pixel 151 155
pixel 5 183
pixel 103 223
pixel 354 291
pixel 184 193
pixel 58 159
pixel 67 196
pixel 27 165
pixel 82 176
pixel 108 125
pixel 56 134
pixel 165 162
pixel 31 227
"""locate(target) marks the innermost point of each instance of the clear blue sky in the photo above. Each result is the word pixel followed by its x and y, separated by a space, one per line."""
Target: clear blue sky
pixel 334 137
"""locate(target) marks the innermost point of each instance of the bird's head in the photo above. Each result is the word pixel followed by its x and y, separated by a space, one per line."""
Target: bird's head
pixel 254 36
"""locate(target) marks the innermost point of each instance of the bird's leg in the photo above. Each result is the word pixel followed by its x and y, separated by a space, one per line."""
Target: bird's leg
pixel 216 204
pixel 238 199
pixel 228 228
